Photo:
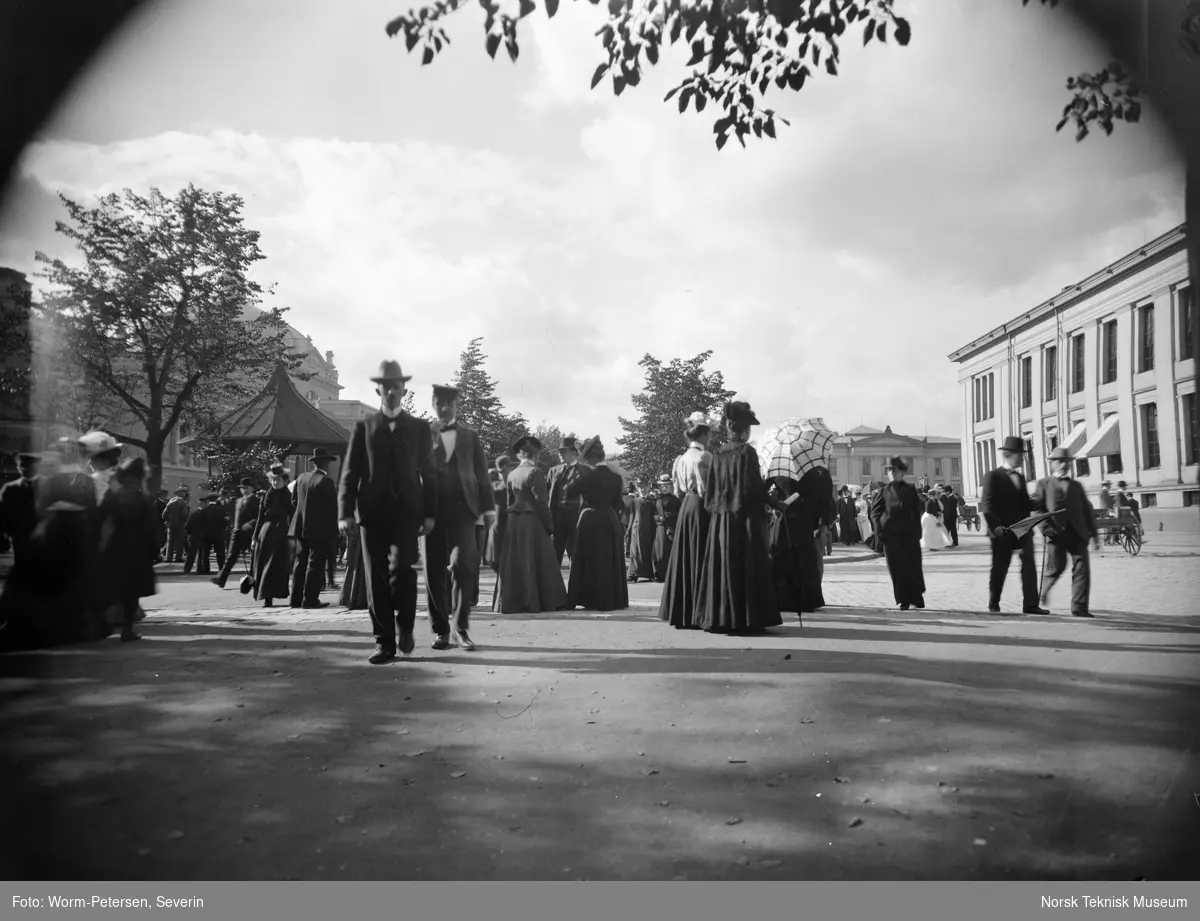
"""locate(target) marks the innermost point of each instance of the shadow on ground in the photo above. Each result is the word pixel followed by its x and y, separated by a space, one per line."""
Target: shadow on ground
pixel 254 751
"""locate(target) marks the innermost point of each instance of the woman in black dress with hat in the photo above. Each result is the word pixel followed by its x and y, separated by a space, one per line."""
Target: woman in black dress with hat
pixel 597 580
pixel 681 605
pixel 128 545
pixel 272 564
pixel 530 579
pixel 739 588
pixel 641 537
pixel 896 515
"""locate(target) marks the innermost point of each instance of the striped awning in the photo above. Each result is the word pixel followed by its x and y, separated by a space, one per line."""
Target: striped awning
pixel 1107 439
pixel 1075 440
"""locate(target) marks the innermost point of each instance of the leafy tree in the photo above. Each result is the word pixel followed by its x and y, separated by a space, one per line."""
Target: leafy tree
pixel 480 408
pixel 671 393
pixel 409 405
pixel 242 460
pixel 155 312
pixel 551 437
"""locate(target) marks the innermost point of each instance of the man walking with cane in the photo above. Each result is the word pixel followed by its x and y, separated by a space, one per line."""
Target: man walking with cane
pixel 1076 526
pixel 245 514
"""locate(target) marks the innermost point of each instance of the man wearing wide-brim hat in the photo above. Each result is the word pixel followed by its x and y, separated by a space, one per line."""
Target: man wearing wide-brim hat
pixel 1067 533
pixel 564 509
pixel 389 491
pixel 1003 501
pixel 314 528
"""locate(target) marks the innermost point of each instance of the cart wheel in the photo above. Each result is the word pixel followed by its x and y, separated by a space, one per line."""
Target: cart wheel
pixel 1133 543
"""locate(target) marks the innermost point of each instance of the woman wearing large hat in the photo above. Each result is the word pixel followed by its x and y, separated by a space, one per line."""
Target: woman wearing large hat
pixel 597 580
pixel 739 585
pixel 272 553
pixel 641 536
pixel 896 514
pixel 681 604
pixel 530 579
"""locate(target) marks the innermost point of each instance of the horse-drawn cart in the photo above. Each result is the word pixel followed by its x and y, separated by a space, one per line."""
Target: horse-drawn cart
pixel 969 515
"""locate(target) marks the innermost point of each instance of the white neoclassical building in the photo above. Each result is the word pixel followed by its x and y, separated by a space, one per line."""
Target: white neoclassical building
pixel 1105 367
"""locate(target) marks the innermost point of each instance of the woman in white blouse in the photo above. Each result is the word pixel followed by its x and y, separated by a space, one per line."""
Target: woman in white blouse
pixel 684 584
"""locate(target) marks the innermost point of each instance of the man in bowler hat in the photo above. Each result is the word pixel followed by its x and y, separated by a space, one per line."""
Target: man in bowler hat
pixel 389 486
pixel 564 511
pixel 451 548
pixel 245 515
pixel 1003 501
pixel 314 528
pixel 1068 533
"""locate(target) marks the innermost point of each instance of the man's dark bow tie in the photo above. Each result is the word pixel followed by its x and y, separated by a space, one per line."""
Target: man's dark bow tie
pixel 449 427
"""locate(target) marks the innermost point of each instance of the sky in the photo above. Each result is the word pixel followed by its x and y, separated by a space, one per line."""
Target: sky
pixel 917 200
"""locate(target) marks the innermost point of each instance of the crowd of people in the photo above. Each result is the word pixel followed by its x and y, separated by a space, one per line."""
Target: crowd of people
pixel 733 550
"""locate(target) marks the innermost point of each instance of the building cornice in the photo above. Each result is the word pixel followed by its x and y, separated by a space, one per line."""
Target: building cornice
pixel 1160 248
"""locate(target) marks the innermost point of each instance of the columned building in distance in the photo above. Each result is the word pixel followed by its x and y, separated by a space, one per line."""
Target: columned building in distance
pixel 1106 368
pixel 859 456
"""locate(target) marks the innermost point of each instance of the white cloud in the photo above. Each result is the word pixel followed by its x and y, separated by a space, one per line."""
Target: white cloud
pixel 918 199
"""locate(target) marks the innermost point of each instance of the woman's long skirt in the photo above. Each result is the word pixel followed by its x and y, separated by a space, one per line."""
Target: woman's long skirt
pixel 903 555
pixel 597 581
pixel 641 548
pixel 739 586
pixel 354 583
pixel 682 604
pixel 272 562
pixel 796 563
pixel 660 554
pixel 530 579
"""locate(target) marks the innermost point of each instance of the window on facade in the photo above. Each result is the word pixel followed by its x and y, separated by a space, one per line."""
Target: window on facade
pixel 991 392
pixel 1151 457
pixel 955 467
pixel 1110 352
pixel 1146 338
pixel 866 466
pixel 1191 498
pixel 1082 467
pixel 1050 376
pixel 975 399
pixel 912 464
pixel 1078 358
pixel 1187 322
pixel 1191 446
pixel 1149 500
pixel 937 466
pixel 1030 457
pixel 1026 382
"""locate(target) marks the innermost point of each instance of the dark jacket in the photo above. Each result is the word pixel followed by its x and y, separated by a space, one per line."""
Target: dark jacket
pixel 559 480
pixel 949 506
pixel 897 510
pixel 245 513
pixel 1079 519
pixel 215 521
pixel 1001 503
pixel 379 462
pixel 314 507
pixel 18 509
pixel 471 465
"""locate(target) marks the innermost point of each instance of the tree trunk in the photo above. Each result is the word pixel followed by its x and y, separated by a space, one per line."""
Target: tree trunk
pixel 154 455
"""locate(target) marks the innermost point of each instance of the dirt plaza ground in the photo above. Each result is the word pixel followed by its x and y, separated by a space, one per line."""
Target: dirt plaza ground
pixel 237 742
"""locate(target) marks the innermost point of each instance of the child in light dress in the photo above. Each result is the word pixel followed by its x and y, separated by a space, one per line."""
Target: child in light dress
pixel 933 532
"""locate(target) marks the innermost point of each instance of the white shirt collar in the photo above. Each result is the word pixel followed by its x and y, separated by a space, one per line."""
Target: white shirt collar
pixel 696 445
pixel 391 414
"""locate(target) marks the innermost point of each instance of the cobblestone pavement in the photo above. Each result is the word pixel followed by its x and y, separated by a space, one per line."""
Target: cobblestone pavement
pixel 239 742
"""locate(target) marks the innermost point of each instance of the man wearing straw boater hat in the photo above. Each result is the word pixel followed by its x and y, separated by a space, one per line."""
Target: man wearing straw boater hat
pixel 451 549
pixel 1003 501
pixel 389 488
pixel 314 528
pixel 1069 534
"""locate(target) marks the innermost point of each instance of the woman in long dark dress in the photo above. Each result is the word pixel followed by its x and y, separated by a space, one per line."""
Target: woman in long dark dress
pixel 847 518
pixel 896 516
pixel 641 537
pixel 48 600
pixel 739 587
pixel 597 580
pixel 666 516
pixel 682 605
pixel 530 579
pixel 272 570
pixel 128 545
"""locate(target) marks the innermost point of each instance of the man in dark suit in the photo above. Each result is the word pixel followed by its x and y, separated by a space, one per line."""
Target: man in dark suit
pixel 389 485
pixel 215 524
pixel 949 503
pixel 564 512
pixel 1069 532
pixel 245 514
pixel 314 528
pixel 199 552
pixel 451 548
pixel 1003 501
pixel 18 506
